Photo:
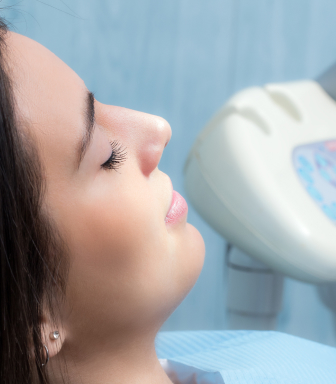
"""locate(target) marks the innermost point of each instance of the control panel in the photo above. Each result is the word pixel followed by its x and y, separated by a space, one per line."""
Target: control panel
pixel 315 165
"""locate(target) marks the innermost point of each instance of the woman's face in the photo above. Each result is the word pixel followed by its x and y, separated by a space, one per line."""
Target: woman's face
pixel 129 266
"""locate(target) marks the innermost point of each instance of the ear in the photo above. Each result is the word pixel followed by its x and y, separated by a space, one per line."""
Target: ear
pixel 49 337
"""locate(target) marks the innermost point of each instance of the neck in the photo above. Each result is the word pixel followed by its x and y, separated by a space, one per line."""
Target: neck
pixel 130 361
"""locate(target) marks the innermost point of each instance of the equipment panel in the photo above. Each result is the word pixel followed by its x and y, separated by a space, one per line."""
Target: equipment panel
pixel 315 165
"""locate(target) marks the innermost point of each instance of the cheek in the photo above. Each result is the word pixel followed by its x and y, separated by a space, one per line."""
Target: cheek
pixel 114 235
pixel 121 255
pixel 125 265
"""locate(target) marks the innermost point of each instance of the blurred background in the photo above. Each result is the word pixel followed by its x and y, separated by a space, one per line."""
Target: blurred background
pixel 182 59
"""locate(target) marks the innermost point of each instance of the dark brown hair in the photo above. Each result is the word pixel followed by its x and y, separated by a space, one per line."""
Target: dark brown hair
pixel 32 255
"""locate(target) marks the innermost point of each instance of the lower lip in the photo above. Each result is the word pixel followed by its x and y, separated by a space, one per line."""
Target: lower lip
pixel 178 209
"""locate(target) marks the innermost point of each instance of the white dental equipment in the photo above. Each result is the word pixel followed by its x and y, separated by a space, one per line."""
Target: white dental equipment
pixel 262 173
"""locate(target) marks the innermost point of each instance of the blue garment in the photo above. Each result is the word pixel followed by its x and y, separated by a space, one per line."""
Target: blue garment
pixel 244 357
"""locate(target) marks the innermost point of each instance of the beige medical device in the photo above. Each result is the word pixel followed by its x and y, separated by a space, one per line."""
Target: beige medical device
pixel 262 173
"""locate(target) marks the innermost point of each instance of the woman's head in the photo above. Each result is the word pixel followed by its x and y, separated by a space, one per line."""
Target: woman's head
pixel 125 266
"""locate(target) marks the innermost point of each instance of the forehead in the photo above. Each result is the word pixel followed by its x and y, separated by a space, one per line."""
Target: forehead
pixel 50 96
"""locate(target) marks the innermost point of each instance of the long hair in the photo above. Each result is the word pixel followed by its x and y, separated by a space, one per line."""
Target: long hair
pixel 32 261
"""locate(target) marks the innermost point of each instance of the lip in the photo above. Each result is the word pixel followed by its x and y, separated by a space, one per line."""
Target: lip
pixel 178 209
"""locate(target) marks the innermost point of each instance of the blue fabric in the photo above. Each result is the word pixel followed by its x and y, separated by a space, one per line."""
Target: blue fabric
pixel 246 357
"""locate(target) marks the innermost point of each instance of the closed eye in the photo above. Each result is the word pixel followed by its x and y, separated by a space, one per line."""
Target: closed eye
pixel 117 158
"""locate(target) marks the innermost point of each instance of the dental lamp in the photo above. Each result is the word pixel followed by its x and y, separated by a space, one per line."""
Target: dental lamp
pixel 262 173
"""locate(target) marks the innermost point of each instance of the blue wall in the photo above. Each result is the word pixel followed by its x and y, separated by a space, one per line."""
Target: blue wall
pixel 182 59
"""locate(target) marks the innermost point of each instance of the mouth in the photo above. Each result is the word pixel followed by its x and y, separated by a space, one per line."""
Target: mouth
pixel 178 209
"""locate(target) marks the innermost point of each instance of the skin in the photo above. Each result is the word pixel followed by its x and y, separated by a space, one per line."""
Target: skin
pixel 128 269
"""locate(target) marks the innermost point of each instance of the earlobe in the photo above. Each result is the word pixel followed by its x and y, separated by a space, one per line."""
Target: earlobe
pixel 52 338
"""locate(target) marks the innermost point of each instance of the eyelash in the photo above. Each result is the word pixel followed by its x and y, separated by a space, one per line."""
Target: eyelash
pixel 118 156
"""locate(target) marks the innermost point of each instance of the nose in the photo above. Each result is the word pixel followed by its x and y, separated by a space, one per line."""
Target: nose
pixel 156 133
pixel 144 135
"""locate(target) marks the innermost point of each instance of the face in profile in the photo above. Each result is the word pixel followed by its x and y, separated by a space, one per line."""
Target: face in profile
pixel 132 255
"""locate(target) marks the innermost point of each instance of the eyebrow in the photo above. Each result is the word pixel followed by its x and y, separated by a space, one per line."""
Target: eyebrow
pixel 89 114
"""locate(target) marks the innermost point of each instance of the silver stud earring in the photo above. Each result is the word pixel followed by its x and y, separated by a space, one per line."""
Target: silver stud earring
pixel 54 335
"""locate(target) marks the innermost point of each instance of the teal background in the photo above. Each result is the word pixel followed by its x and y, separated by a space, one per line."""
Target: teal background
pixel 182 59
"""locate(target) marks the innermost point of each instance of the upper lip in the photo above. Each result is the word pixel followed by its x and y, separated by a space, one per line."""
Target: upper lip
pixel 171 196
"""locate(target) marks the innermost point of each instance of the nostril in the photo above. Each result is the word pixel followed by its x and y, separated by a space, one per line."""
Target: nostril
pixel 154 139
pixel 150 156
